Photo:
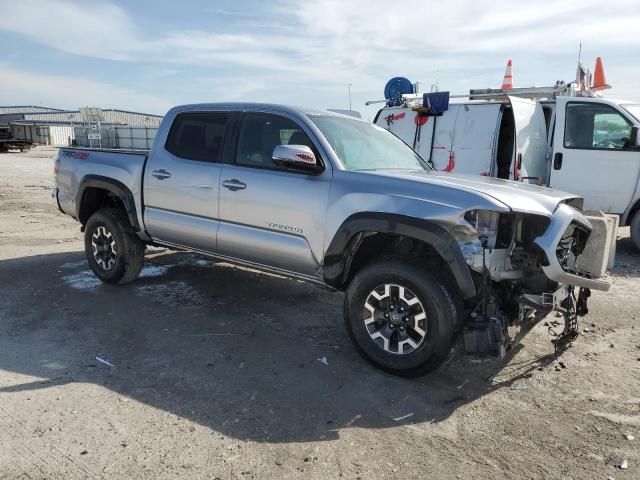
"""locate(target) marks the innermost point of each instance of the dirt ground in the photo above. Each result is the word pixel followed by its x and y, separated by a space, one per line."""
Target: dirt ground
pixel 217 373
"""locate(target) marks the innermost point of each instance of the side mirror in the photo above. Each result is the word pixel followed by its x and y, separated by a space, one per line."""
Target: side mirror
pixel 296 157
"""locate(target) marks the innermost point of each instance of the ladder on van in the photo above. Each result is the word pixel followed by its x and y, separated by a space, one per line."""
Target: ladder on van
pixel 497 94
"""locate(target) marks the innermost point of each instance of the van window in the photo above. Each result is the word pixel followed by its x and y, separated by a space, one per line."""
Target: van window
pixel 261 133
pixel 197 136
pixel 595 126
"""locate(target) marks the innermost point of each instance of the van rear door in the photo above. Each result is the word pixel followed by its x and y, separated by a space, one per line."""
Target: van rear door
pixel 473 146
pixel 529 164
pixel 464 139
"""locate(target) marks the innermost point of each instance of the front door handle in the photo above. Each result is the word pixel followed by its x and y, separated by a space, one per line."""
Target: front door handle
pixel 161 174
pixel 557 161
pixel 234 184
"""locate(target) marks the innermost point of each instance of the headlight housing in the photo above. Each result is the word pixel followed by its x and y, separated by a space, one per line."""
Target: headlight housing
pixel 486 223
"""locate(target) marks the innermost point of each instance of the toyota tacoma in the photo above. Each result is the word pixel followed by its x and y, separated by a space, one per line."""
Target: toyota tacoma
pixel 422 256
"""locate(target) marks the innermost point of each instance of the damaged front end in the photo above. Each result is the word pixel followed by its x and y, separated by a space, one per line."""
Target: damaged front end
pixel 524 263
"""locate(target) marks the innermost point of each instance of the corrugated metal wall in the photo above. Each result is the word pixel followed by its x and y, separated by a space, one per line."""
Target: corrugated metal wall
pixel 110 116
pixel 26 109
pixel 61 135
pixel 120 128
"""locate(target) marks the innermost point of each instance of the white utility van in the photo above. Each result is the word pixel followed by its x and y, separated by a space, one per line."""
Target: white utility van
pixel 587 145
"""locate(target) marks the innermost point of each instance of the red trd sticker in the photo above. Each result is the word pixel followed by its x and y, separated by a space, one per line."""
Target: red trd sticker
pixel 75 154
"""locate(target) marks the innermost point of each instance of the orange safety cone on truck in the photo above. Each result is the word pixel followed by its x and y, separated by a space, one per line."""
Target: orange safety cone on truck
pixel 507 81
pixel 599 81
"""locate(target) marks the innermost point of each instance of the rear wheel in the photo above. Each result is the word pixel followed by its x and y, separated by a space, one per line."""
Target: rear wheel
pixel 635 229
pixel 113 250
pixel 401 317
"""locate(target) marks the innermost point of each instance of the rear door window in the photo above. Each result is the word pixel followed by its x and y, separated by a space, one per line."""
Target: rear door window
pixel 198 136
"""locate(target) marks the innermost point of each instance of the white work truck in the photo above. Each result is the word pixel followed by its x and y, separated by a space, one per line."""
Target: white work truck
pixel 587 145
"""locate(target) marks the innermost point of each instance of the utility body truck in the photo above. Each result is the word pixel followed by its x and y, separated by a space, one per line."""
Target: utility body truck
pixel 9 142
pixel 331 199
pixel 557 136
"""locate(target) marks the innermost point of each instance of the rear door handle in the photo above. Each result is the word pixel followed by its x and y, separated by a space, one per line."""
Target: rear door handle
pixel 557 161
pixel 234 184
pixel 161 174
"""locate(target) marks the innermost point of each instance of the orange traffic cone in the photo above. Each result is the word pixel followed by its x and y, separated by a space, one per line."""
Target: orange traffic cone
pixel 599 82
pixel 507 81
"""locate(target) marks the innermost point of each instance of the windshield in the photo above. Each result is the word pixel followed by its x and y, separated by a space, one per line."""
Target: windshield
pixel 364 146
pixel 633 110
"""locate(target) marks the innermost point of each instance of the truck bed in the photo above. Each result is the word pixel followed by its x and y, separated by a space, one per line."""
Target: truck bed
pixel 80 168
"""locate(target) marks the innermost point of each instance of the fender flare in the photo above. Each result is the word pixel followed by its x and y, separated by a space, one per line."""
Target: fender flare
pixel 345 243
pixel 111 185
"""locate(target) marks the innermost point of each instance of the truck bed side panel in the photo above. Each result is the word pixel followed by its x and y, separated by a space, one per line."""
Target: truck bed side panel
pixel 75 165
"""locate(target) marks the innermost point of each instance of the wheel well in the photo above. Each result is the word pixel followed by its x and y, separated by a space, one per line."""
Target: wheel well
pixel 95 198
pixel 375 245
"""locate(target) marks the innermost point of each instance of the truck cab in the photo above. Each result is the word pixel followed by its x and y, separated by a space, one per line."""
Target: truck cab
pixel 595 152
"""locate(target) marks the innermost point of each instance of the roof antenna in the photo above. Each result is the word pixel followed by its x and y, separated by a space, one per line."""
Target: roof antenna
pixel 579 54
pixel 581 74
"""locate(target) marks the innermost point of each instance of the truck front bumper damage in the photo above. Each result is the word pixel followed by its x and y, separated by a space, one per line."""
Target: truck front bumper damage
pixel 551 243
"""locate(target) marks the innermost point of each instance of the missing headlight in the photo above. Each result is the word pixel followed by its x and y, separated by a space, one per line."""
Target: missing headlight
pixel 486 224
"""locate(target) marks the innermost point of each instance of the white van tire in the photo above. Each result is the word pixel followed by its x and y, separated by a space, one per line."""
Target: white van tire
pixel 635 229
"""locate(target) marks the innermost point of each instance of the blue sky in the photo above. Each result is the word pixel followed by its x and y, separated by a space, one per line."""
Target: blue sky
pixel 149 55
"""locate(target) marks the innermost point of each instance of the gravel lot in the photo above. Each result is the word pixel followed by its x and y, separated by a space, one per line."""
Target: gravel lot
pixel 216 374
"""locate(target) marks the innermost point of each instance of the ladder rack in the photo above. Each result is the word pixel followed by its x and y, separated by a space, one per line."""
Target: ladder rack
pixel 533 93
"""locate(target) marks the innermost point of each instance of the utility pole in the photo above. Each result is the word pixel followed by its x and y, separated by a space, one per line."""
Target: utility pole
pixel 350 97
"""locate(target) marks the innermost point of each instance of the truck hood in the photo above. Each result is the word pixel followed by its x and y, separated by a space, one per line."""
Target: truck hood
pixel 518 196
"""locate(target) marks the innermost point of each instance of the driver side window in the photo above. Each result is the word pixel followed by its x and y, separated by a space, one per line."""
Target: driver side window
pixel 595 126
pixel 260 133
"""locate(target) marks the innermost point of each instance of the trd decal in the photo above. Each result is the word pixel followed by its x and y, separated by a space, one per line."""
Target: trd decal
pixel 75 154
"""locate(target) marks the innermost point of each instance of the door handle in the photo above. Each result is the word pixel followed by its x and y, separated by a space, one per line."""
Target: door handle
pixel 557 161
pixel 161 174
pixel 234 184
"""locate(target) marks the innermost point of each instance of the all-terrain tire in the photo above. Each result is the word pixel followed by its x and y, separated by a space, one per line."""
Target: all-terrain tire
pixel 436 299
pixel 114 252
pixel 635 229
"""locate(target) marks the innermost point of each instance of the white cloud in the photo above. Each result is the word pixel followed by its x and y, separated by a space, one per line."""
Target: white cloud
pixel 98 29
pixel 311 50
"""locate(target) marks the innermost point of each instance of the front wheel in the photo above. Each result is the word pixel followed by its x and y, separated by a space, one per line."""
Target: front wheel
pixel 114 252
pixel 400 317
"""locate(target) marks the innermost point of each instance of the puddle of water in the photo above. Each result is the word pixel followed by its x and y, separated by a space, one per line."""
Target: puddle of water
pixel 154 271
pixel 84 280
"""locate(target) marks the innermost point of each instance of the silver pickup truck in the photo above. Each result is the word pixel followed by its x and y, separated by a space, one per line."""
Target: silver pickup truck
pixel 422 256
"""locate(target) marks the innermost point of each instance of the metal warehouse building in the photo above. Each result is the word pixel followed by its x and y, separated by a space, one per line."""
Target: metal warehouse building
pixel 110 128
